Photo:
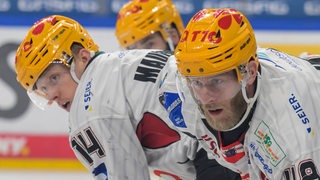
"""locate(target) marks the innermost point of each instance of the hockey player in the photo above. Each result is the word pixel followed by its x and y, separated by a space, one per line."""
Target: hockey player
pixel 149 24
pixel 117 125
pixel 257 107
pixel 314 59
pixel 156 24
pixel 153 24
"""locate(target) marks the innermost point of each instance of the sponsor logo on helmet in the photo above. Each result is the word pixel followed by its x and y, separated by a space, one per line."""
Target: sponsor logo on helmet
pixel 201 36
pixel 225 20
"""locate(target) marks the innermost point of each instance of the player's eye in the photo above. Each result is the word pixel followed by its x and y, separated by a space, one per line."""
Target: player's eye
pixel 53 78
pixel 196 83
pixel 43 89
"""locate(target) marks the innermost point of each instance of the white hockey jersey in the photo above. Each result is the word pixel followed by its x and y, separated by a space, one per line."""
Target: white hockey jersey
pixel 118 128
pixel 281 138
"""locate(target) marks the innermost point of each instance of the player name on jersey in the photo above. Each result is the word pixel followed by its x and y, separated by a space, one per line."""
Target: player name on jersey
pixel 150 66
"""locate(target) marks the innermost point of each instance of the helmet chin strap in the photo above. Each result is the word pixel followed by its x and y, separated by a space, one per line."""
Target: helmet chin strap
pixel 249 101
pixel 72 67
pixel 73 74
pixel 179 89
pixel 170 43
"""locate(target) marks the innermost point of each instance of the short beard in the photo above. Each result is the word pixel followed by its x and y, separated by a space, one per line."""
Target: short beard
pixel 238 108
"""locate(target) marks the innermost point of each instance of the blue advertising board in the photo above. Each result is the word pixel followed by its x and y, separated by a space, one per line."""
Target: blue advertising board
pixel 263 14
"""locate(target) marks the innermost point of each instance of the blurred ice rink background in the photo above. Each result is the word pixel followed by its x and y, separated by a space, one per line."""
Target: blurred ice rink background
pixel 34 144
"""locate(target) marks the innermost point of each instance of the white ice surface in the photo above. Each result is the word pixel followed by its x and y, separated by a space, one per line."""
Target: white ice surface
pixel 47 175
pixel 44 175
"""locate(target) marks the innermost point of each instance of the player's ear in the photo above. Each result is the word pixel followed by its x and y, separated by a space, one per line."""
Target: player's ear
pixel 174 35
pixel 252 71
pixel 81 59
pixel 84 56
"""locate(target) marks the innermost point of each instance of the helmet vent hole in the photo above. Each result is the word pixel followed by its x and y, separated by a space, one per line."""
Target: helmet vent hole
pixel 45 53
pixel 27 84
pixel 42 48
pixel 188 70
pixel 242 23
pixel 150 18
pixel 228 50
pixel 31 76
pixel 37 62
pixel 28 54
pixel 133 37
pixel 218 34
pixel 201 70
pixel 217 61
pixel 210 48
pixel 33 59
pixel 214 57
pixel 229 56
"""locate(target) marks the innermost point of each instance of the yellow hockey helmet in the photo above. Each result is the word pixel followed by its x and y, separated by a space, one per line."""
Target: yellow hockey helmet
pixel 216 41
pixel 139 18
pixel 48 39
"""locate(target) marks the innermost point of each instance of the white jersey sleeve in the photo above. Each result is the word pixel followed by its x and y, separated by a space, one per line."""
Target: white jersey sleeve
pixel 118 128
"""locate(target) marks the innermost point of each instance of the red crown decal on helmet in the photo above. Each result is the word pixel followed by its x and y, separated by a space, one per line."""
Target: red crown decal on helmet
pixel 38 29
pixel 51 19
pixel 226 21
pixel 133 10
pixel 39 25
pixel 199 15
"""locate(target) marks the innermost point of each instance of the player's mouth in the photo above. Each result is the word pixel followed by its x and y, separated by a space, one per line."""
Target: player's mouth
pixel 66 106
pixel 214 112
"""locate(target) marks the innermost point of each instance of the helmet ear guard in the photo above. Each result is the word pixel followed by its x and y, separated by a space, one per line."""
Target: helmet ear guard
pixel 243 71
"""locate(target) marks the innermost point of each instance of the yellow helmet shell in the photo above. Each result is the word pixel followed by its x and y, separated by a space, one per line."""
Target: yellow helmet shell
pixel 139 18
pixel 48 39
pixel 215 41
